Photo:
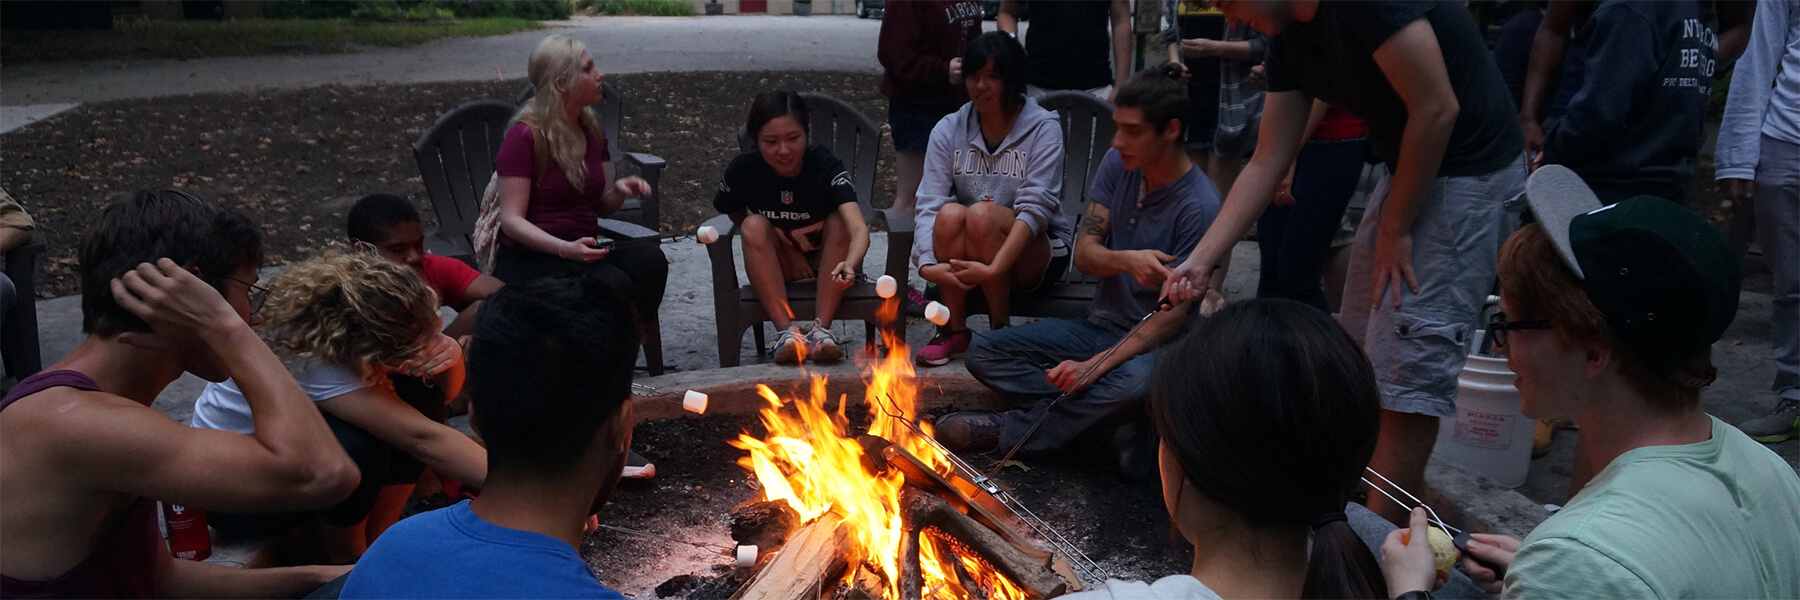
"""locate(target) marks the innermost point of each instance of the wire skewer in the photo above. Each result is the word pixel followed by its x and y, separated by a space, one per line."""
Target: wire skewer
pixel 630 531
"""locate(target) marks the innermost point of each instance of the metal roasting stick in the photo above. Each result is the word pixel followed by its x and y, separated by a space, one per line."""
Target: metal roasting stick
pixel 1448 530
pixel 1079 382
pixel 626 530
pixel 1091 572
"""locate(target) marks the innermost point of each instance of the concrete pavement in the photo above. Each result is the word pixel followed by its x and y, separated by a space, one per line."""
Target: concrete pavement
pixel 619 44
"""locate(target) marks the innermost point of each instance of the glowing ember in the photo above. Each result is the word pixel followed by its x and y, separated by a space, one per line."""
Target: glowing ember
pixel 809 461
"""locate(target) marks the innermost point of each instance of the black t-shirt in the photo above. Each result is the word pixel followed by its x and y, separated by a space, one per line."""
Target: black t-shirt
pixel 1333 58
pixel 797 205
pixel 1070 43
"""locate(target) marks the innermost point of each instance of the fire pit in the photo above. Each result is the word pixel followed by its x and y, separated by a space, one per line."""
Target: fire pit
pixel 847 497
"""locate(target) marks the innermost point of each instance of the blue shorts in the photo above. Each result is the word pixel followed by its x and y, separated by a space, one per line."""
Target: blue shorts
pixel 911 124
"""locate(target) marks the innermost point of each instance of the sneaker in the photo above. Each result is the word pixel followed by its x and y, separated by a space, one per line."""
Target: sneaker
pixel 944 346
pixel 638 467
pixel 1777 426
pixel 913 304
pixel 968 432
pixel 788 346
pixel 821 346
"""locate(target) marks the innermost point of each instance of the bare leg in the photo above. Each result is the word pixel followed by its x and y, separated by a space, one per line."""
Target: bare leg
pixel 763 264
pixel 992 224
pixel 1338 265
pixel 909 168
pixel 947 243
pixel 1400 454
pixel 387 509
pixel 837 248
pixel 1223 172
pixel 464 323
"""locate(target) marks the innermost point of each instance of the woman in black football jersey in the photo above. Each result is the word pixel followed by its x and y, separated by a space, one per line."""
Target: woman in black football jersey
pixel 797 214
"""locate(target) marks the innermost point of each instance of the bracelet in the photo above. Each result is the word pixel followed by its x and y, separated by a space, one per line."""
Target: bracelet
pixel 1414 595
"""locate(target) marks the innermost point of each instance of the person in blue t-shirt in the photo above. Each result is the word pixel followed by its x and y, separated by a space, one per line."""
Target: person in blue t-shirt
pixel 549 375
pixel 1149 206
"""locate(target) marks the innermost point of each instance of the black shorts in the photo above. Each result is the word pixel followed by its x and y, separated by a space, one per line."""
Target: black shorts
pixel 911 124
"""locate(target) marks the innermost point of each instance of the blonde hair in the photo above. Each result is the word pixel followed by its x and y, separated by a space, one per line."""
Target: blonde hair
pixel 351 309
pixel 546 113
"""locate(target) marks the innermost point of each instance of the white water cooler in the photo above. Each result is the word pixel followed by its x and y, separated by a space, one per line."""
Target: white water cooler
pixel 1488 435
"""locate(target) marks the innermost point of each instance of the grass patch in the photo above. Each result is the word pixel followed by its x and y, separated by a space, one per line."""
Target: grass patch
pixel 200 39
pixel 648 8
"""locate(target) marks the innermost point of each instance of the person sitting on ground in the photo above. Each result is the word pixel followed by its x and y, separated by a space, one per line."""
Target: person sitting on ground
pixel 1150 204
pixel 1266 520
pixel 988 207
pixel 390 224
pixel 15 231
pixel 1609 317
pixel 556 180
pixel 165 289
pixel 550 368
pixel 362 333
pixel 797 214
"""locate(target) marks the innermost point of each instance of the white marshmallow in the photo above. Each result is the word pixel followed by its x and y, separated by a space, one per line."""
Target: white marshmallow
pixel 886 286
pixel 746 557
pixel 937 313
pixel 694 402
pixel 708 235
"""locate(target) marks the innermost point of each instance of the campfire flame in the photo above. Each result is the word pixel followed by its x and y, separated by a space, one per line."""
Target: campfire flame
pixel 809 461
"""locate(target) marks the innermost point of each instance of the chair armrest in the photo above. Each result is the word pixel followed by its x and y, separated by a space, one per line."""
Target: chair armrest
pixel 21 262
pixel 724 266
pixel 900 241
pixel 646 161
pixel 624 230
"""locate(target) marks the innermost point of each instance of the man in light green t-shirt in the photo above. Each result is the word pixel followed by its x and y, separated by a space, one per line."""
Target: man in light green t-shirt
pixel 1608 318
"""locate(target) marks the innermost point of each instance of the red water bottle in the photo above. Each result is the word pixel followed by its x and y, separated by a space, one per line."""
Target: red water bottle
pixel 187 532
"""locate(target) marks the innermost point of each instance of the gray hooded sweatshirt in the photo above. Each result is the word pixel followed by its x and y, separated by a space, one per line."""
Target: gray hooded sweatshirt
pixel 1024 173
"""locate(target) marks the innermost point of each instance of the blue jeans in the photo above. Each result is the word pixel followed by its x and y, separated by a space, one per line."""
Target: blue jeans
pixel 1012 362
pixel 1294 240
pixel 1777 209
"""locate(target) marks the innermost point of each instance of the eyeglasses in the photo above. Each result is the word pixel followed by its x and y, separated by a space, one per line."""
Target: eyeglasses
pixel 258 295
pixel 1498 326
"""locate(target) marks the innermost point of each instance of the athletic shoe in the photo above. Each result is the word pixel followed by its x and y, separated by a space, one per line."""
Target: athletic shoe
pixel 787 346
pixel 1779 425
pixel 638 467
pixel 968 432
pixel 821 346
pixel 913 304
pixel 944 346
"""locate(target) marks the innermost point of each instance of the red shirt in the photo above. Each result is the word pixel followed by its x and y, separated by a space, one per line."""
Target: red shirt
pixel 555 205
pixel 450 277
pixel 1339 124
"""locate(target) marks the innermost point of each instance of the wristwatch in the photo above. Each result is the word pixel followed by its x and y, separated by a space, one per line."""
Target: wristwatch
pixel 1414 595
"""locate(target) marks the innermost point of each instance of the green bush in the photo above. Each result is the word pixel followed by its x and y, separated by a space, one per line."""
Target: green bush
pixel 652 8
pixel 523 9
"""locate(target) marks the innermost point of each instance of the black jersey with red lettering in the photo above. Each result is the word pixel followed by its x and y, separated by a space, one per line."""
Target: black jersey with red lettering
pixel 796 205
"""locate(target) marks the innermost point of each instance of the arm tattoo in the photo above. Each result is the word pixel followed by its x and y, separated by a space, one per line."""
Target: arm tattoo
pixel 1097 223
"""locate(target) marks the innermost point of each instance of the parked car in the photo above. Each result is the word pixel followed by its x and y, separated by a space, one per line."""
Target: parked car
pixel 872 9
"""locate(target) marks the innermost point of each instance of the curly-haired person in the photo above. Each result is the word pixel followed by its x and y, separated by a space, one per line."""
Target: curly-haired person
pixel 361 335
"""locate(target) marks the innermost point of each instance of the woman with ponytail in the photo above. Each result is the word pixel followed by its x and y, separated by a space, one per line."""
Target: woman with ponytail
pixel 1268 413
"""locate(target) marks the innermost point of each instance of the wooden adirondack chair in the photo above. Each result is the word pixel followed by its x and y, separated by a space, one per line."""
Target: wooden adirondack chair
pixel 1087 129
pixel 456 160
pixel 854 139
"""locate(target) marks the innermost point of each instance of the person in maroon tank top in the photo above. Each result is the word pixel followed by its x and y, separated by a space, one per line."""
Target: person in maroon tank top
pixel 167 281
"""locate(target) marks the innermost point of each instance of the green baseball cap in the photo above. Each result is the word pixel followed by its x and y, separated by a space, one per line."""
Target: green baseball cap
pixel 1666 280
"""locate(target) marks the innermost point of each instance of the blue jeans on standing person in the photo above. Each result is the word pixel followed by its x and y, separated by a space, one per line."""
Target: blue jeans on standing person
pixel 1012 362
pixel 1296 239
pixel 1777 207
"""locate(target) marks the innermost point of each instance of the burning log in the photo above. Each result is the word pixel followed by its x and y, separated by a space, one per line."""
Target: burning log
pixel 806 567
pixel 764 524
pixel 920 475
pixel 1029 573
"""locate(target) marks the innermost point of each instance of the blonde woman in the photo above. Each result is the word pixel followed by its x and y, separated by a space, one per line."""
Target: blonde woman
pixel 556 181
pixel 361 334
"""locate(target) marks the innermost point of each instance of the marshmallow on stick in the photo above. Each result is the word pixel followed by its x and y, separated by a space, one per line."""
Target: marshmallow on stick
pixel 708 234
pixel 886 286
pixel 694 402
pixel 937 313
pixel 746 556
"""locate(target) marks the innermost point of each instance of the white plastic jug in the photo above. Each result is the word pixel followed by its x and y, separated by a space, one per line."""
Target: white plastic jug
pixel 1488 435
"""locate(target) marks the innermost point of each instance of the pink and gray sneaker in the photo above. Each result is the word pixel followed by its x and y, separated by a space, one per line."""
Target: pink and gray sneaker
pixel 944 346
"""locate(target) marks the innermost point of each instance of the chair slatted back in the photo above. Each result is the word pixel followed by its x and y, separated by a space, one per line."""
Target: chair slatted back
pixel 1087 129
pixel 456 158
